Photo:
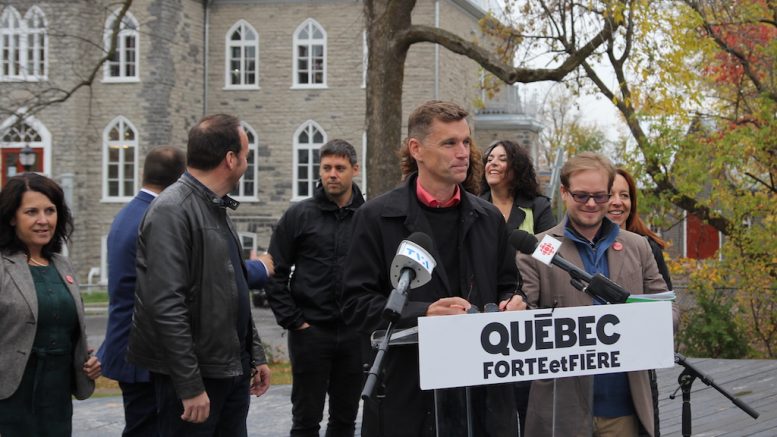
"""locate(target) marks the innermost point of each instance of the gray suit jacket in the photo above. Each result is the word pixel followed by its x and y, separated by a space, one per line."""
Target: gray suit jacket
pixel 634 268
pixel 19 309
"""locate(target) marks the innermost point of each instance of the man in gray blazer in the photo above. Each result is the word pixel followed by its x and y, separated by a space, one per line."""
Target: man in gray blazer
pixel 618 404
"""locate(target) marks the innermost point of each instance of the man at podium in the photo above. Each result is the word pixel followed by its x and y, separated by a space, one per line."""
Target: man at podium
pixel 474 268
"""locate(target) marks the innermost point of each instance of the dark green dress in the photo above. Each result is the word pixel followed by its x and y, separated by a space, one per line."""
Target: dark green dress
pixel 42 404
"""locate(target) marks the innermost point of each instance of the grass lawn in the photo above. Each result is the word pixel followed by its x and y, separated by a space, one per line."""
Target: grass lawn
pixel 95 297
pixel 281 375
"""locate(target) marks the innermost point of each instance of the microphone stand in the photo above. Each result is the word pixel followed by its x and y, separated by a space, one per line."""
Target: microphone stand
pixel 377 364
pixel 686 379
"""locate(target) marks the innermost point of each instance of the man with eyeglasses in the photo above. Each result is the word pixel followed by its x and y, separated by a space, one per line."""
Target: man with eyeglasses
pixel 616 404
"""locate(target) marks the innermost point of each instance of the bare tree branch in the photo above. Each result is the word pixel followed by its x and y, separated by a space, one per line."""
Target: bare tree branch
pixel 487 59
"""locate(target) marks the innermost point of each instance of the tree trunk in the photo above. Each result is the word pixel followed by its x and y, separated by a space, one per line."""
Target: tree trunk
pixel 386 58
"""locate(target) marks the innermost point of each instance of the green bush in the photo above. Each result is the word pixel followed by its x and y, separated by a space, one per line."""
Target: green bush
pixel 710 328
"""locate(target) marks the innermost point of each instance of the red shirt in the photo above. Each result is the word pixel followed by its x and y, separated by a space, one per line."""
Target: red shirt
pixel 428 200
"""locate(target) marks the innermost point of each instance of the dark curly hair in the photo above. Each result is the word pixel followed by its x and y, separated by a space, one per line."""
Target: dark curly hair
pixel 11 199
pixel 520 169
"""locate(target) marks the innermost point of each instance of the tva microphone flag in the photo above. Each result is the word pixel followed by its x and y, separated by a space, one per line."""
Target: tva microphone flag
pixel 413 253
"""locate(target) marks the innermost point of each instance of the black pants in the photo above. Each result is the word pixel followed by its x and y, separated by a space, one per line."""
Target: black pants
pixel 140 418
pixel 325 360
pixel 229 401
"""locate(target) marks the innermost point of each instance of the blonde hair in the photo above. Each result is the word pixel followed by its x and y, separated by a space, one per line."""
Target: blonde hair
pixel 587 161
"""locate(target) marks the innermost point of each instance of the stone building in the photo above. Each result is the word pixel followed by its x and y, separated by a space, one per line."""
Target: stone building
pixel 293 71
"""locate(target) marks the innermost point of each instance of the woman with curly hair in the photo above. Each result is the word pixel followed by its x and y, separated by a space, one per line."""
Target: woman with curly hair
pixel 511 185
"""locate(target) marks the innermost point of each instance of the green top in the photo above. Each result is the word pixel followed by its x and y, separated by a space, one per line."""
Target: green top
pixel 57 318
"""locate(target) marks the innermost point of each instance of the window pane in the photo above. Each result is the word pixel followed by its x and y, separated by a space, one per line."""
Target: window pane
pixel 129 134
pixel 303 33
pixel 235 35
pixel 113 171
pixel 317 34
pixel 250 35
pixel 128 188
pixel 113 154
pixel 302 156
pixel 317 137
pixel 113 188
pixel 302 51
pixel 303 137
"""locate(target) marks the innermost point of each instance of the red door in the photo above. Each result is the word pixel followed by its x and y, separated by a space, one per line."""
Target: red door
pixel 702 240
pixel 9 161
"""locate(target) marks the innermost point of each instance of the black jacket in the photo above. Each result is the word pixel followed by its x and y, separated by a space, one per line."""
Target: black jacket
pixel 186 300
pixel 487 268
pixel 540 207
pixel 313 236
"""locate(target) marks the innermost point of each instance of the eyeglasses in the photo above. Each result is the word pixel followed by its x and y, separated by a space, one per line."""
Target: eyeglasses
pixel 583 197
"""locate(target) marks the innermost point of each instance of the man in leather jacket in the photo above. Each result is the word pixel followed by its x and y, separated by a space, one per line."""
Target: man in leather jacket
pixel 192 325
pixel 313 236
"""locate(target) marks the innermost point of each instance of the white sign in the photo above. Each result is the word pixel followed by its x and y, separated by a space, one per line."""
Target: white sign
pixel 493 348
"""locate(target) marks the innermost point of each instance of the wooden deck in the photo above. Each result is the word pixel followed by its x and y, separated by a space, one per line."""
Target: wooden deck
pixel 752 381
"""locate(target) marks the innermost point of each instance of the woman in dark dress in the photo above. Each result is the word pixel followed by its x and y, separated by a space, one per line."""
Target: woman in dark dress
pixel 511 185
pixel 43 351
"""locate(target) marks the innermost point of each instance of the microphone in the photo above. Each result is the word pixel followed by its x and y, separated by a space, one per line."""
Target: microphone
pixel 546 251
pixel 411 267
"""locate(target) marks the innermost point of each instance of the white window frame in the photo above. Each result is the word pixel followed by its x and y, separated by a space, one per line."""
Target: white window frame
pixel 242 44
pixel 17 37
pixel 310 126
pixel 122 51
pixel 309 25
pixel 365 59
pixel 122 123
pixel 253 147
pixel 363 169
pixel 251 236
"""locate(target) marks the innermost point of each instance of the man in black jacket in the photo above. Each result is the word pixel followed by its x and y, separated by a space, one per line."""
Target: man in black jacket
pixel 474 267
pixel 313 236
pixel 192 325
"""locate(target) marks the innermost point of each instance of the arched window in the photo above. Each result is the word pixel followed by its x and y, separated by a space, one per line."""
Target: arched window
pixel 242 56
pixel 310 55
pixel 247 187
pixel 120 160
pixel 123 64
pixel 307 141
pixel 23 45
pixel 37 40
pixel 15 135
